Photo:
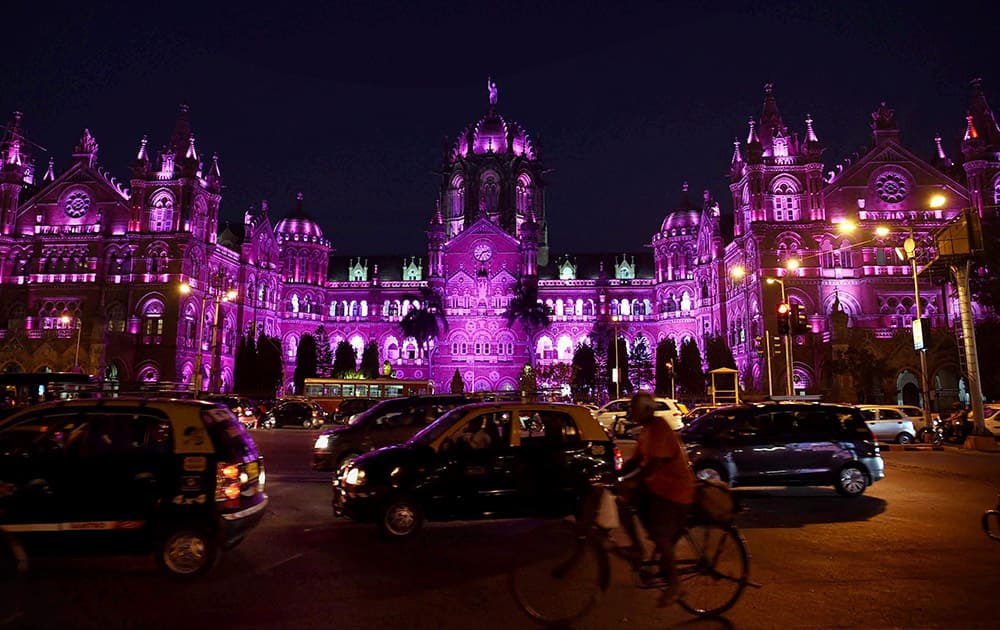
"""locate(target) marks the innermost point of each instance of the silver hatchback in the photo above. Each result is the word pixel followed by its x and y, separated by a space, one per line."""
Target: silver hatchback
pixel 889 423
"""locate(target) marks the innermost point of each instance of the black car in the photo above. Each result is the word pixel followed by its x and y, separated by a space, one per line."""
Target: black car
pixel 392 421
pixel 242 407
pixel 350 407
pixel 486 459
pixel 785 444
pixel 181 478
pixel 293 412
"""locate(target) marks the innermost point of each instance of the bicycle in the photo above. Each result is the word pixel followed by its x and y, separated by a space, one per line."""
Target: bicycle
pixel 712 561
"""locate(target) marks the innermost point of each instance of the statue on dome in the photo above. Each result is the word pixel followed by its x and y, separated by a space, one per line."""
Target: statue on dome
pixel 492 87
pixel 884 117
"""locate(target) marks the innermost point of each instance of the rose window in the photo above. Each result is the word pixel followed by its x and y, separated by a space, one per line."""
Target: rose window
pixel 891 187
pixel 76 204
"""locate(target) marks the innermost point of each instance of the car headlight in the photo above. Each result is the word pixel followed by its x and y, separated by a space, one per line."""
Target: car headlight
pixel 354 477
pixel 322 443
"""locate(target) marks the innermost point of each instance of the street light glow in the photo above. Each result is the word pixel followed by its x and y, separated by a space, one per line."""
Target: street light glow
pixel 738 272
pixel 881 231
pixel 937 201
pixel 847 226
pixel 792 264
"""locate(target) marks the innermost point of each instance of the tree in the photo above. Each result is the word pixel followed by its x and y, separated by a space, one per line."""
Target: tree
pixel 369 361
pixel 526 308
pixel 666 363
pixel 305 362
pixel 988 349
pixel 618 358
pixel 689 373
pixel 269 370
pixel 640 362
pixel 244 364
pixel 584 380
pixel 426 321
pixel 984 281
pixel 457 384
pixel 345 361
pixel 324 353
pixel 718 353
pixel 527 383
pixel 555 376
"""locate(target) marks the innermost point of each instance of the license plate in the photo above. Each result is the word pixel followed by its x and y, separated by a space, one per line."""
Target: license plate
pixel 253 469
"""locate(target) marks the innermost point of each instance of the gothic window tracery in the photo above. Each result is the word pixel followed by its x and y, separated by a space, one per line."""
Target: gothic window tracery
pixel 161 212
pixel 892 186
pixel 996 191
pixel 785 200
pixel 489 194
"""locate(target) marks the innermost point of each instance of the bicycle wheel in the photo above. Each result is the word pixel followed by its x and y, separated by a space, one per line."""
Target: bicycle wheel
pixel 563 576
pixel 712 566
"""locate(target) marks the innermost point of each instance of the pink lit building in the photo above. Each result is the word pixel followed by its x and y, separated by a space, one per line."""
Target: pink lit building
pixel 83 254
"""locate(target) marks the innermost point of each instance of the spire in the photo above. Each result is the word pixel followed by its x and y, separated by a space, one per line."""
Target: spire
pixel 86 149
pixel 770 117
pixel 191 154
pixel 970 129
pixel 181 138
pixel 299 211
pixel 810 133
pixel 143 156
pixel 752 136
pixel 737 155
pixel 437 219
pixel 982 116
pixel 214 171
pixel 14 139
pixel 50 174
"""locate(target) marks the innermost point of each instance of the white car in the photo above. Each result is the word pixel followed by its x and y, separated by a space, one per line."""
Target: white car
pixel 890 423
pixel 617 409
pixel 991 418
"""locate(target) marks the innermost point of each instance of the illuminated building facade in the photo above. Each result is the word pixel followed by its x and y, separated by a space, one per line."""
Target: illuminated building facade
pixel 82 254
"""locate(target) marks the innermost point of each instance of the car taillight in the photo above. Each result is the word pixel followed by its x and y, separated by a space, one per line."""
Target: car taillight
pixel 231 471
pixel 228 481
pixel 619 460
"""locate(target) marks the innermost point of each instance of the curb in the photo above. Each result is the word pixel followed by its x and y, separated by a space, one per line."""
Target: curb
pixel 910 447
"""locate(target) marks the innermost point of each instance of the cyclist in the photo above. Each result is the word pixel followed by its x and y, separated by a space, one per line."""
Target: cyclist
pixel 659 485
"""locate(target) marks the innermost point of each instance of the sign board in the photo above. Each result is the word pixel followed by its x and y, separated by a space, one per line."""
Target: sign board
pixel 921 330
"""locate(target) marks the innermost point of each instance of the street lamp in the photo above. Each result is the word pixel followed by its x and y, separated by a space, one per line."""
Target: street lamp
pixel 218 297
pixel 788 338
pixel 909 253
pixel 79 328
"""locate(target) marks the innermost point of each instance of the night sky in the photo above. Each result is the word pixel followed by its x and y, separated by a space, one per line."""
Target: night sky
pixel 349 102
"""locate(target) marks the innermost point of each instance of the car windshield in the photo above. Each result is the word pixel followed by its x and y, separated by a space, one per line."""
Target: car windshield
pixel 437 428
pixel 378 410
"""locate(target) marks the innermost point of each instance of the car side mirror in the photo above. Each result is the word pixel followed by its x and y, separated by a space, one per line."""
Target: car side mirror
pixel 991 524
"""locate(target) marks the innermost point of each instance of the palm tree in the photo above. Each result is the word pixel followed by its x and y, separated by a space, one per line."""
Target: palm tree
pixel 425 322
pixel 529 310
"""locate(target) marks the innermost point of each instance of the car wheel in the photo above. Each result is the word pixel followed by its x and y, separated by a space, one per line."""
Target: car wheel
pixel 402 517
pixel 709 472
pixel 851 481
pixel 904 438
pixel 269 423
pixel 187 552
pixel 308 423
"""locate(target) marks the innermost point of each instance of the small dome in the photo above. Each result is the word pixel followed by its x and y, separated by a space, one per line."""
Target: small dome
pixel 298 223
pixel 680 219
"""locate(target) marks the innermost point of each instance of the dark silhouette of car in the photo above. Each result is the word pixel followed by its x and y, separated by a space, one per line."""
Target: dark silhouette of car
pixel 181 478
pixel 350 407
pixel 496 460
pixel 293 412
pixel 391 421
pixel 785 444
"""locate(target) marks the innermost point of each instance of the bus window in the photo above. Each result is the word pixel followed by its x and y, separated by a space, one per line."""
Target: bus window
pixel 393 391
pixel 361 391
pixel 348 391
pixel 375 391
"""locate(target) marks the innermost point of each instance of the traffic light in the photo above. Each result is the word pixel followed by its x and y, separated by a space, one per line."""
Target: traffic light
pixel 799 324
pixel 759 346
pixel 784 318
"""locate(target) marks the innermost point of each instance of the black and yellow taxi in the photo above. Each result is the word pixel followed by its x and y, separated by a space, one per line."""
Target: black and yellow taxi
pixel 181 478
pixel 482 460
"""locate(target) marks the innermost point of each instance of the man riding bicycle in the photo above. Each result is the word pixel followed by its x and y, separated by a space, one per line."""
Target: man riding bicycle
pixel 659 486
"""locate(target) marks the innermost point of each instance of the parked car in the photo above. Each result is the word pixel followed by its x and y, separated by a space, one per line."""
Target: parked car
pixel 392 421
pixel 295 412
pixel 696 412
pixel 181 478
pixel 785 444
pixel 518 471
pixel 991 418
pixel 244 410
pixel 613 416
pixel 889 423
pixel 350 407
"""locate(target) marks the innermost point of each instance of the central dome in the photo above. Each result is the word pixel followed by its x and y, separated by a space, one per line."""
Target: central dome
pixel 493 134
pixel 299 225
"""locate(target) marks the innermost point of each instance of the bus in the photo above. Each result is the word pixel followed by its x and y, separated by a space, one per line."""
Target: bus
pixel 330 392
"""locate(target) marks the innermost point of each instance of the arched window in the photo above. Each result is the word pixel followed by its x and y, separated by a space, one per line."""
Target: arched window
pixel 489 194
pixel 456 198
pixel 685 301
pixel 161 212
pixel 523 194
pixel 784 196
pixel 152 322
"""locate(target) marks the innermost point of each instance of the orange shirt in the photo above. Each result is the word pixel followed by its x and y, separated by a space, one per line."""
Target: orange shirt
pixel 672 479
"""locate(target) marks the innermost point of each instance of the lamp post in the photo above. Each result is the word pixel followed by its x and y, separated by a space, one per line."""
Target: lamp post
pixel 218 297
pixel 617 372
pixel 910 254
pixel 196 379
pixel 788 338
pixel 79 329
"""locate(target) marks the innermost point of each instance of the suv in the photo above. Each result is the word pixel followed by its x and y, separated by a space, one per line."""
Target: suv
pixel 180 477
pixel 890 423
pixel 785 444
pixel 496 460
pixel 614 415
pixel 391 421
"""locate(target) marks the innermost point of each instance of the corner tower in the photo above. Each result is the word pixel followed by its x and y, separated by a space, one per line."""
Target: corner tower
pixel 493 170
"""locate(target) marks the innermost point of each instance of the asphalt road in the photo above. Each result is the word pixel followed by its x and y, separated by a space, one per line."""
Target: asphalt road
pixel 907 554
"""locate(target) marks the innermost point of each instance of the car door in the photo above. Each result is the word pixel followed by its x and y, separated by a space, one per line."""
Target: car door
pixel 752 445
pixel 889 424
pixel 815 447
pixel 991 418
pixel 550 458
pixel 124 466
pixel 475 481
